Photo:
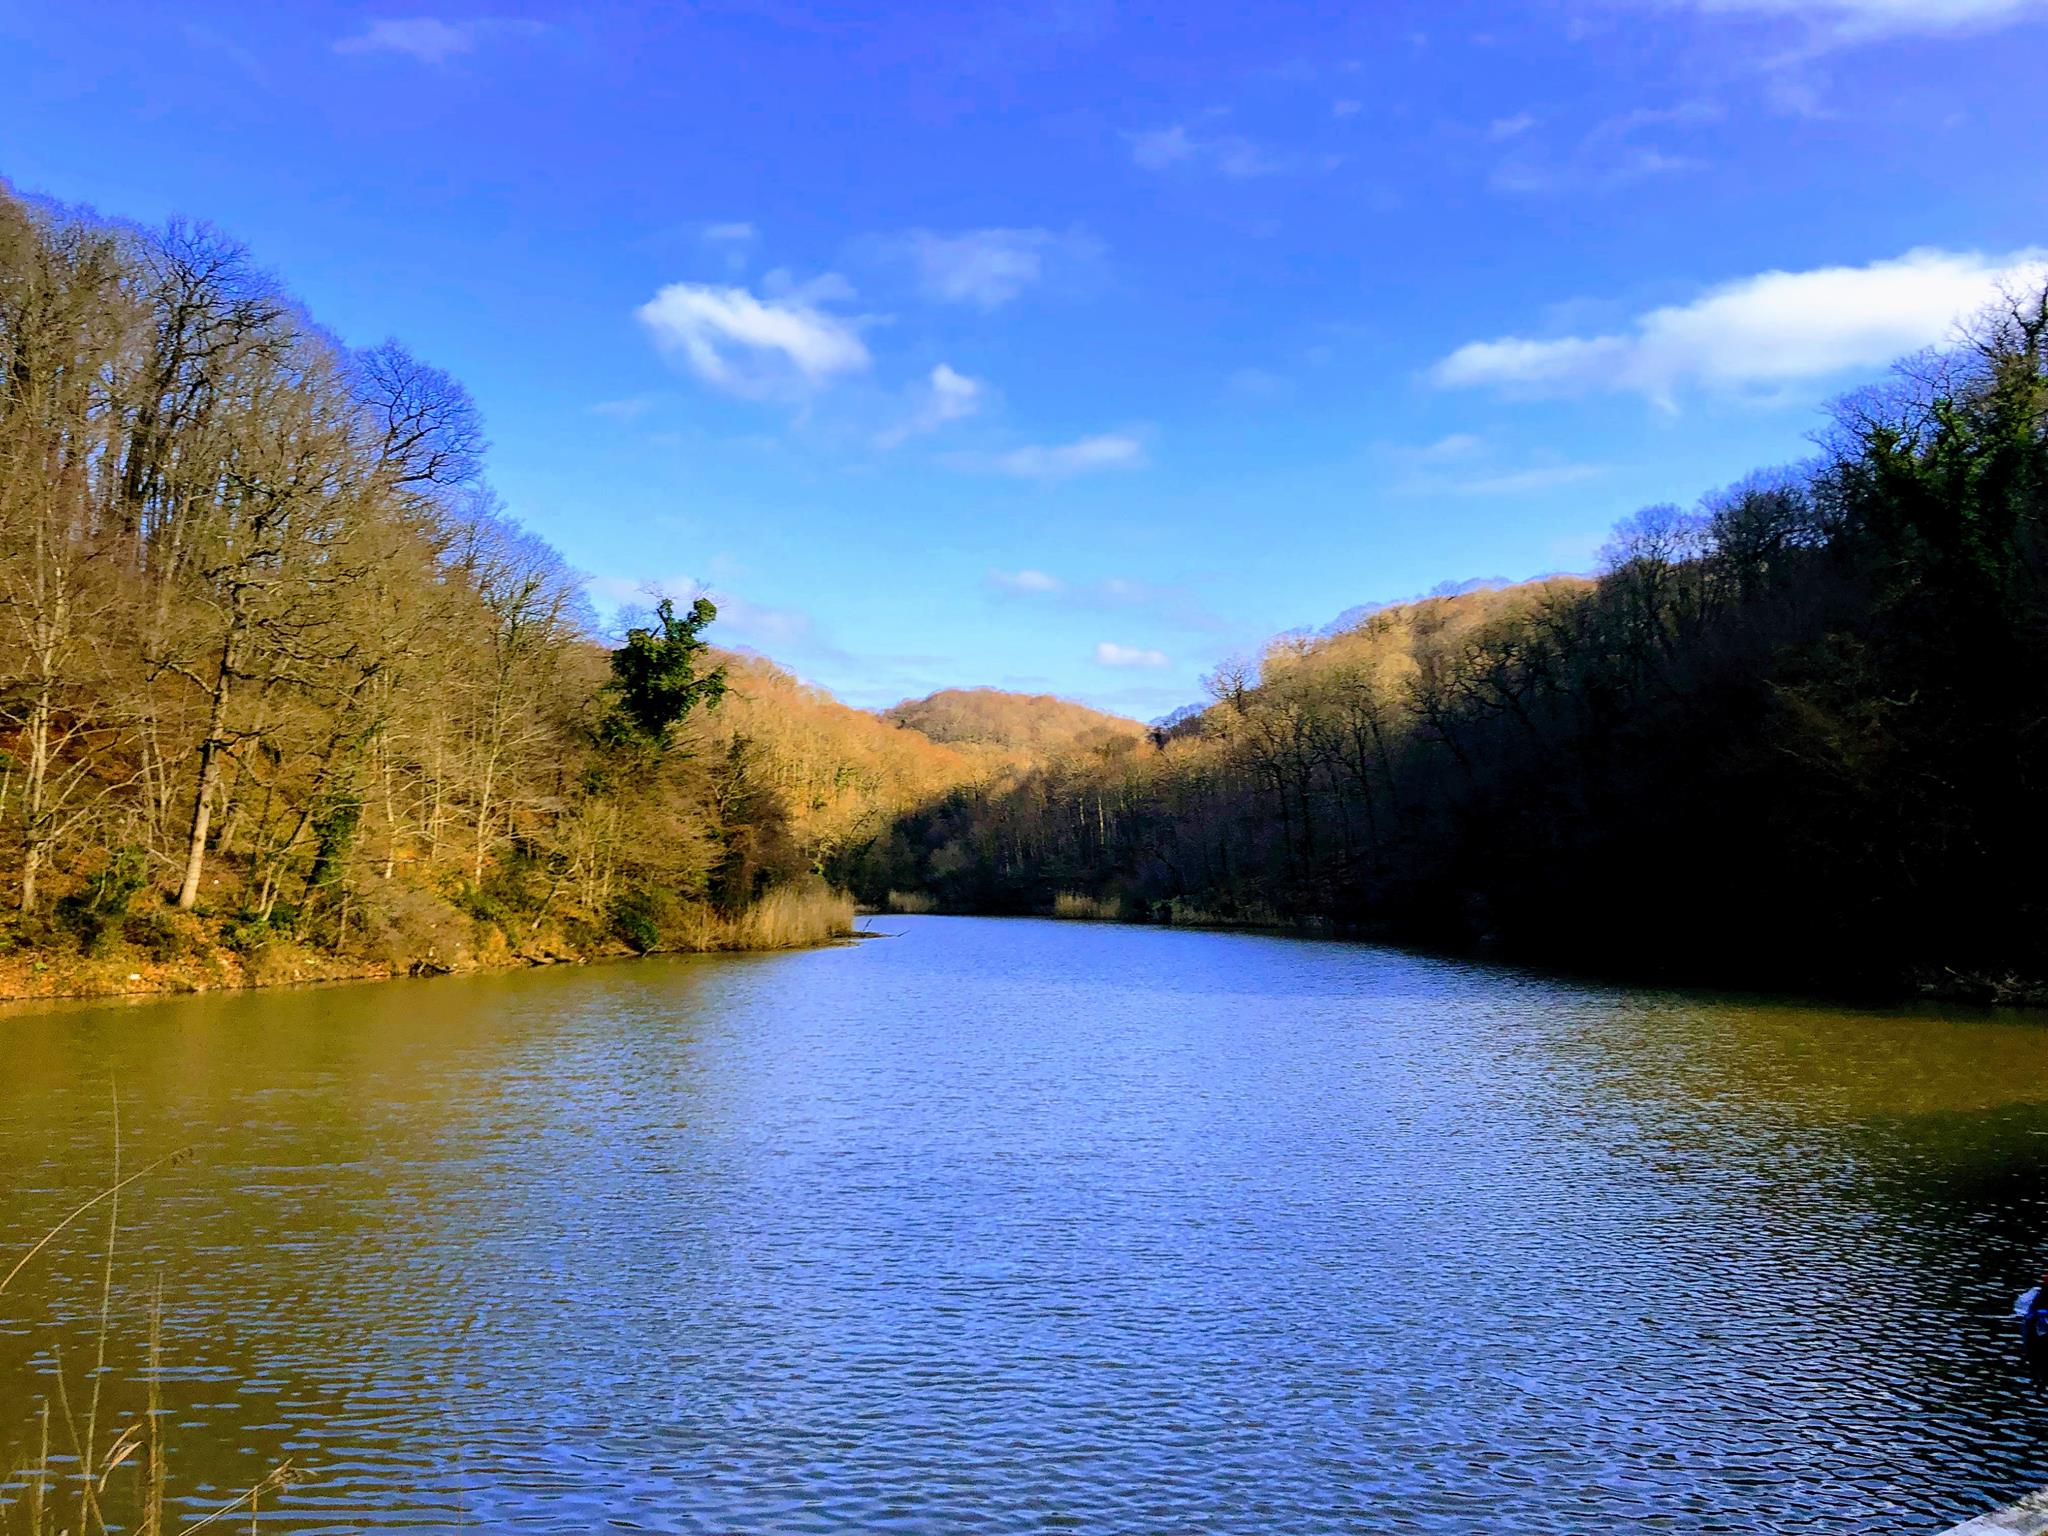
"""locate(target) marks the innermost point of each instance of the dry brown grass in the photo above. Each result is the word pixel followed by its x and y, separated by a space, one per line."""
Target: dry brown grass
pixel 913 902
pixel 792 918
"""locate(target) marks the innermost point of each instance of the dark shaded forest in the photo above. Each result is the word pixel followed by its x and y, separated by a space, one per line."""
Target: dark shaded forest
pixel 1792 736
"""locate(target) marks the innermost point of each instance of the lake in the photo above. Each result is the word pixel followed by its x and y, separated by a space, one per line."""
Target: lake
pixel 1008 1225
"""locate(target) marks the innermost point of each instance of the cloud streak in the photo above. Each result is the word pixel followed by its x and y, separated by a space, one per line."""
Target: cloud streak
pixel 432 41
pixel 1177 145
pixel 988 268
pixel 1175 606
pixel 1110 654
pixel 1774 329
pixel 1061 461
pixel 1858 20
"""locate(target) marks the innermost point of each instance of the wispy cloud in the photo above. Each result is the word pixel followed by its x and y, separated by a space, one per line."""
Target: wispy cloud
pixel 1465 464
pixel 430 40
pixel 758 345
pixel 1773 329
pixel 1184 145
pixel 631 408
pixel 988 268
pixel 732 240
pixel 1628 147
pixel 1861 20
pixel 1171 605
pixel 1110 654
pixel 946 396
pixel 1524 482
pixel 1059 461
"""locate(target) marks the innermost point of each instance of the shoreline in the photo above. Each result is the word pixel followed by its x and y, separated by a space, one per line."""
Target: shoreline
pixel 209 963
pixel 1946 989
pixel 142 986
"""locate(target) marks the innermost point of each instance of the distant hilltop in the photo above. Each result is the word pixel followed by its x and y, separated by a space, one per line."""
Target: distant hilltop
pixel 1031 725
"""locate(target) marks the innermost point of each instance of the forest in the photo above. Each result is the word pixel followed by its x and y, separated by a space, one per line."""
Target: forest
pixel 284 693
pixel 1794 735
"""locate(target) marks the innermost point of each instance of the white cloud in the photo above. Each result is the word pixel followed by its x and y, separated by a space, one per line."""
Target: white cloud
pixel 1056 461
pixel 755 346
pixel 1855 19
pixel 1031 581
pixel 1502 128
pixel 1773 329
pixel 431 40
pixel 1109 654
pixel 987 267
pixel 734 232
pixel 1346 108
pixel 947 396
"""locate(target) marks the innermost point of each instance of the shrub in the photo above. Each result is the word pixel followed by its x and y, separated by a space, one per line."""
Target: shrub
pixel 642 918
pixel 1095 909
pixel 94 914
pixel 158 935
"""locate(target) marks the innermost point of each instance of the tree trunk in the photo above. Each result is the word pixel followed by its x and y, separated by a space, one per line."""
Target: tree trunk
pixel 210 753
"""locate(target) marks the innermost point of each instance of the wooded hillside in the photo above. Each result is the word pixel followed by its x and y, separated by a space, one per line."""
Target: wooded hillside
pixel 1795 734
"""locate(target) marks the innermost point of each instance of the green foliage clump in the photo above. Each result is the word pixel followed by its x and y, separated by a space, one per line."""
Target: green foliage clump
pixel 158 935
pixel 94 914
pixel 655 682
pixel 642 918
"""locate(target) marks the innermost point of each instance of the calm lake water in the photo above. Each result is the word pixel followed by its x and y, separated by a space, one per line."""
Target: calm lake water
pixel 1022 1226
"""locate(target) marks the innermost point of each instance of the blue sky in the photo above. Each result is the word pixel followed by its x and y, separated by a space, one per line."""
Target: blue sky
pixel 1073 347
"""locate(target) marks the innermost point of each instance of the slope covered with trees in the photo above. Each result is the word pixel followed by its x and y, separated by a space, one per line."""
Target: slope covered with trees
pixel 1797 734
pixel 1022 728
pixel 283 693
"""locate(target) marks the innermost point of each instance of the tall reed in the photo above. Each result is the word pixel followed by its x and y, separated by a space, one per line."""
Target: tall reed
pixel 792 917
pixel 39 1489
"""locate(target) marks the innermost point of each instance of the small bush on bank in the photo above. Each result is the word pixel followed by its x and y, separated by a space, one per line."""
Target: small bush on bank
pixel 1084 908
pixel 93 915
pixel 912 902
pixel 160 936
pixel 643 919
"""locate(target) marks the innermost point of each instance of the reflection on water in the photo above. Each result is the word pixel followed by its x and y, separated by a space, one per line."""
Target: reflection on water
pixel 1013 1226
